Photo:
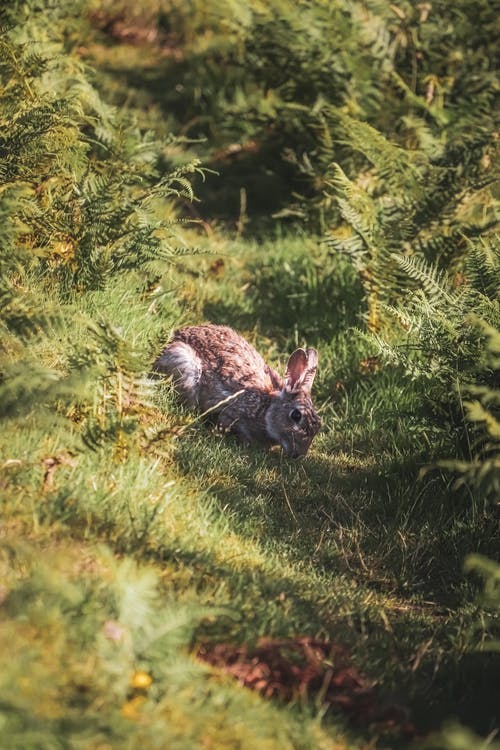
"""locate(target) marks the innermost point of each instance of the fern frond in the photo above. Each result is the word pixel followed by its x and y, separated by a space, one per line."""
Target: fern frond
pixel 399 169
pixel 356 206
pixel 482 266
pixel 433 281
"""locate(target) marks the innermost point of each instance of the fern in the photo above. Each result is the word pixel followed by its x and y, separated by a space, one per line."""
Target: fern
pixel 366 244
pixel 407 207
pixel 482 267
pixel 399 170
pixel 121 392
pixel 94 189
pixel 83 196
pixel 432 281
pixel 449 343
pixel 108 634
pixel 482 473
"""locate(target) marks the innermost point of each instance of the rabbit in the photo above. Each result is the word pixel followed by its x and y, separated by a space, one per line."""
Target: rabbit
pixel 216 370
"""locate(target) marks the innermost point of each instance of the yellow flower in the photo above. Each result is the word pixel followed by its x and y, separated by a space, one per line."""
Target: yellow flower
pixel 131 708
pixel 141 680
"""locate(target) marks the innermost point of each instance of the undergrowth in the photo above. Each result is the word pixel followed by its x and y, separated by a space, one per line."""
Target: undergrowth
pixel 137 545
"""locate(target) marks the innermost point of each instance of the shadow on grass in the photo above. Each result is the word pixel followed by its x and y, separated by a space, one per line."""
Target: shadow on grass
pixel 341 513
pixel 405 652
pixel 343 521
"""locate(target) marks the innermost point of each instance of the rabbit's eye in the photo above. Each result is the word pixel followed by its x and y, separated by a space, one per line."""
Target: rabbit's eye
pixel 295 415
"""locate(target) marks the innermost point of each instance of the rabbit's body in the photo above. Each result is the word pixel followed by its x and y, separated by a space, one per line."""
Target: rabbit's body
pixel 215 369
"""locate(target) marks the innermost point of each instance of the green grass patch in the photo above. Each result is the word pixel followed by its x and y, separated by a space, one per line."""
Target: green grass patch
pixel 121 494
pixel 147 560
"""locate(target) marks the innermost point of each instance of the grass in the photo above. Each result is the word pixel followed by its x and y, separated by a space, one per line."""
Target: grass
pixel 132 534
pixel 135 539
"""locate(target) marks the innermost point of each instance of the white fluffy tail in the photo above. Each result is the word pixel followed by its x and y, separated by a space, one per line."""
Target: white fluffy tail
pixel 181 362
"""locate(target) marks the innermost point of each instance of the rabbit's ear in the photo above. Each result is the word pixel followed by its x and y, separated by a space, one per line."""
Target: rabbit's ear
pixel 312 366
pixel 300 370
pixel 276 379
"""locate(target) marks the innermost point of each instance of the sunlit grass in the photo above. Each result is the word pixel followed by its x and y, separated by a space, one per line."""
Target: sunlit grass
pixel 346 544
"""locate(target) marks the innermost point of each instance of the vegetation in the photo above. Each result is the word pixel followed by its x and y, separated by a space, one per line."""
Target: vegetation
pixel 324 173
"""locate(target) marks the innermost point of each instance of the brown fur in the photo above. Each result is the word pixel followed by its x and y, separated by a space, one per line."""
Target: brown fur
pixel 215 369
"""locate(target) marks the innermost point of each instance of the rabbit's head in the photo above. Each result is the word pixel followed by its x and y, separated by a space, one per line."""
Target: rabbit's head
pixel 291 419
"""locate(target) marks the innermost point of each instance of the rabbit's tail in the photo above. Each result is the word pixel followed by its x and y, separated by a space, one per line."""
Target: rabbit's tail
pixel 181 362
